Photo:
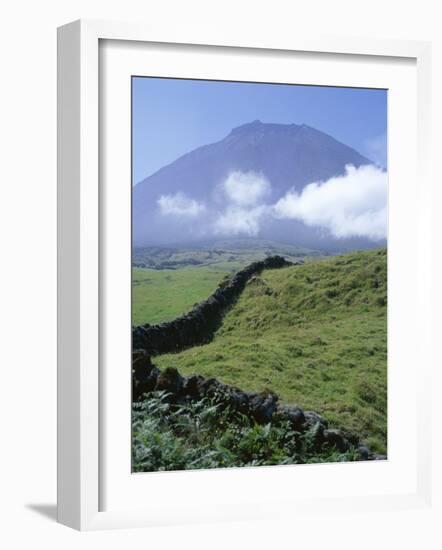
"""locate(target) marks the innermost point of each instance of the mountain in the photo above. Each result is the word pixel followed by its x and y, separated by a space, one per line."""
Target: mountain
pixel 286 156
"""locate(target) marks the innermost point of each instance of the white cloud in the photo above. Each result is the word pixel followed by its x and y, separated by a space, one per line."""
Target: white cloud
pixel 245 193
pixel 246 188
pixel 351 205
pixel 239 221
pixel 180 205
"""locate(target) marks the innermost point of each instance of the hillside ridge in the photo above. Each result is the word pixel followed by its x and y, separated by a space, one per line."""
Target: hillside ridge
pixel 316 334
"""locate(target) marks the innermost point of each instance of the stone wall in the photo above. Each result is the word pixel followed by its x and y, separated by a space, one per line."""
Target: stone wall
pixel 199 325
pixel 263 407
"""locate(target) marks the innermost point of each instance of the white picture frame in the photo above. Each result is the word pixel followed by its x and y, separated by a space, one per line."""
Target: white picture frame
pixel 80 263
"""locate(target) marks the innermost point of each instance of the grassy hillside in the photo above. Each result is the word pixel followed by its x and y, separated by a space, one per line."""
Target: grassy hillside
pixel 166 282
pixel 314 334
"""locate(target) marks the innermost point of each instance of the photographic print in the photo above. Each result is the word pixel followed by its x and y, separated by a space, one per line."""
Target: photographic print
pixel 259 274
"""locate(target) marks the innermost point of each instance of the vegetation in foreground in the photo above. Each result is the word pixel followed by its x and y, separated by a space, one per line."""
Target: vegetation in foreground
pixel 204 434
pixel 315 334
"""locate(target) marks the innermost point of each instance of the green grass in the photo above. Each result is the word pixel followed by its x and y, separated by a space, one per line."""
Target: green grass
pixel 159 296
pixel 314 334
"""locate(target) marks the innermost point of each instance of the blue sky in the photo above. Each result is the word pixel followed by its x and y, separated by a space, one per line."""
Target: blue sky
pixel 172 117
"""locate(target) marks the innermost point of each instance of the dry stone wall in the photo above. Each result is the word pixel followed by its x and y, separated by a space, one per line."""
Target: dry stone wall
pixel 199 325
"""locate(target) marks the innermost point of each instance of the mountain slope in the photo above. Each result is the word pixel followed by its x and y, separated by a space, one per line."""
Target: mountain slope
pixel 289 156
pixel 316 334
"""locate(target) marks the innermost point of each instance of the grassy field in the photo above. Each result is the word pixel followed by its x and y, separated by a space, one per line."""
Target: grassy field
pixel 162 295
pixel 315 334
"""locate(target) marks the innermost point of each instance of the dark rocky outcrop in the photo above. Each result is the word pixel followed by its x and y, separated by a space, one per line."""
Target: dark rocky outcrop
pixel 363 452
pixel 262 406
pixel 313 418
pixel 170 381
pixel 336 438
pixel 293 414
pixel 199 325
pixel 144 374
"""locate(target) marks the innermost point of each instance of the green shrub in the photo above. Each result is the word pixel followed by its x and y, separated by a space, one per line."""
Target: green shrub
pixel 205 435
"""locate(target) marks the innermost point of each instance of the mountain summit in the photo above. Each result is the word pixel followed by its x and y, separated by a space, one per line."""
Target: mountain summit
pixel 170 205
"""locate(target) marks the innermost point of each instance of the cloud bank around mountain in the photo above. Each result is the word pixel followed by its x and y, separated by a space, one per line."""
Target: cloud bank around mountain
pixel 180 204
pixel 352 205
pixel 246 188
pixel 244 204
pixel 236 221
